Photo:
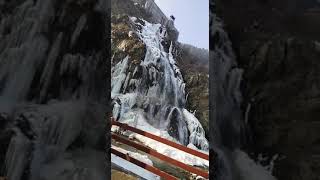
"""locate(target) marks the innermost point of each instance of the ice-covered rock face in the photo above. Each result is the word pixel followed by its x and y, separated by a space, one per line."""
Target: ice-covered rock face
pixel 230 163
pixel 227 77
pixel 44 133
pixel 42 49
pixel 155 90
pixel 51 69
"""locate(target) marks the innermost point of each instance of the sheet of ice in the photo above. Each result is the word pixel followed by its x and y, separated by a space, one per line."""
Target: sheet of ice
pixel 197 135
pixel 118 76
pixel 20 70
pixel 138 156
pixel 133 168
pixel 17 156
pixel 248 169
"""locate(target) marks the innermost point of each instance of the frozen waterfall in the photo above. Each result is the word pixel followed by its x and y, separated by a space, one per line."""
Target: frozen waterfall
pixel 228 125
pixel 152 97
pixel 50 97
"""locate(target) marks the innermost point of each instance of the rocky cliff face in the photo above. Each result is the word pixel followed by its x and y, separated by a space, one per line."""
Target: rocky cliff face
pixel 282 85
pixel 194 65
pixel 53 90
pixel 192 61
pixel 277 46
pixel 147 85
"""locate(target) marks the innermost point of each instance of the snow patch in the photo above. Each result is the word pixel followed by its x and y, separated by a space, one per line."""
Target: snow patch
pixel 248 169
pixel 133 168
pixel 143 158
pixel 137 120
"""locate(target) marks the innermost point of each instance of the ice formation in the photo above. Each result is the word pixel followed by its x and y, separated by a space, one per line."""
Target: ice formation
pixel 152 97
pixel 228 125
pixel 143 158
pixel 250 170
pixel 46 87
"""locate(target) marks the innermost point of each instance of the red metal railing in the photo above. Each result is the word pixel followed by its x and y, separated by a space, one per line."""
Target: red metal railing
pixel 154 153
pixel 162 140
pixel 161 156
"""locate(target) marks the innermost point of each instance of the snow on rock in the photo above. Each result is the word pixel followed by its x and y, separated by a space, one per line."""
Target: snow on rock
pixel 261 159
pixel 248 169
pixel 143 158
pixel 197 135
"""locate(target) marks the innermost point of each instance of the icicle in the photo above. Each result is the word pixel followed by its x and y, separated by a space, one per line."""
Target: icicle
pixel 17 156
pixel 247 113
pixel 118 76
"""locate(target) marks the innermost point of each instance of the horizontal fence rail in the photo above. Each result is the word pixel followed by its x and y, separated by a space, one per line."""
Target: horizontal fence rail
pixel 161 156
pixel 143 165
pixel 162 140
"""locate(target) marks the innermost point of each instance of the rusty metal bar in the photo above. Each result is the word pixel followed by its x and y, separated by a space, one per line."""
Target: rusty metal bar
pixel 162 140
pixel 161 156
pixel 143 165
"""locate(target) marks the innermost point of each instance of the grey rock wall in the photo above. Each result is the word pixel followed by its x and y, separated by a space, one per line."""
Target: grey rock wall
pixel 276 45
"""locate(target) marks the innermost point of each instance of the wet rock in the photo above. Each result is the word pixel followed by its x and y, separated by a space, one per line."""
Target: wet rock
pixel 281 81
pixel 176 127
pixel 197 86
pixel 276 46
pixel 4 120
pixel 5 138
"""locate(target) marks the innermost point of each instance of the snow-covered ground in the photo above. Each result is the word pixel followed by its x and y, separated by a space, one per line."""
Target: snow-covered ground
pixel 160 147
pixel 141 172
